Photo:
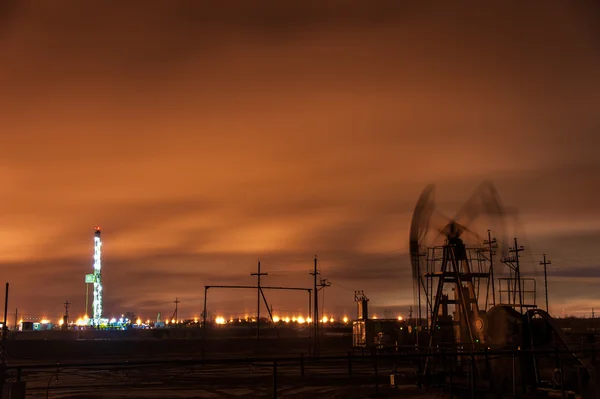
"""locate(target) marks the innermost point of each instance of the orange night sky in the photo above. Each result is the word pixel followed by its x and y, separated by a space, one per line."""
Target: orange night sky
pixel 203 139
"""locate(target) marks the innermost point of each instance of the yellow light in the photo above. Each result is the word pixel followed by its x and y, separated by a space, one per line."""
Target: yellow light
pixel 308 320
pixel 276 319
pixel 301 320
pixel 231 320
pixel 81 322
pixel 173 321
pixel 148 321
pixel 294 319
pixel 287 320
pixel 45 321
pixel 331 320
pixel 345 319
pixel 61 322
pixel 220 320
pixel 400 318
pixel 195 320
pixel 374 316
pixel 324 319
pixel 138 322
pixel 20 321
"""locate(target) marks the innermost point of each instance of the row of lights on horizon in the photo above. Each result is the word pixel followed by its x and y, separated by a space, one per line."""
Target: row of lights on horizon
pixel 299 320
pixel 84 321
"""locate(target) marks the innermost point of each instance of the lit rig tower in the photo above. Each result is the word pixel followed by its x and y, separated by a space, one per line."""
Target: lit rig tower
pixel 97 301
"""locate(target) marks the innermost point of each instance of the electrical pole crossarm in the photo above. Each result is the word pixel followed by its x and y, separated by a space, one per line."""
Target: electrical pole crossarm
pixel 259 293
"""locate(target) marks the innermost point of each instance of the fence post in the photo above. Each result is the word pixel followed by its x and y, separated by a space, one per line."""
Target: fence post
pixel 349 364
pixel 514 375
pixel 274 380
pixel 376 373
pixel 473 370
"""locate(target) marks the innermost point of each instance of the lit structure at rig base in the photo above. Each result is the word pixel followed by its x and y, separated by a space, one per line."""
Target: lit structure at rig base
pixel 97 299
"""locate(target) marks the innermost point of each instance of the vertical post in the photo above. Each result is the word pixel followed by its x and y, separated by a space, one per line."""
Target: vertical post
pixel 258 293
pixel 87 297
pixel 176 314
pixel 66 317
pixel 314 273
pixel 492 244
pixel 17 319
pixel 3 343
pixel 473 371
pixel 545 263
pixel 206 287
pixel 516 250
pixel 349 363
pixel 274 380
pixel 514 374
pixel 376 373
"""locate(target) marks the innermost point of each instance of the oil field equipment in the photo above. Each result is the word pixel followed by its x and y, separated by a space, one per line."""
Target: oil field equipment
pixel 473 304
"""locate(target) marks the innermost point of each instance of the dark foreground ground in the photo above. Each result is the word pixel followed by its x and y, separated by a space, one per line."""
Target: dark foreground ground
pixel 188 364
pixel 148 365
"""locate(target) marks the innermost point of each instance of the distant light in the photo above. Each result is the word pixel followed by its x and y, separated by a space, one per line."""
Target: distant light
pixel 172 320
pixel 44 321
pixel 324 319
pixel 195 320
pixel 61 322
pixel 308 320
pixel 331 320
pixel 113 320
pixel 345 319
pixel 293 319
pixel 81 322
pixel 301 320
pixel 220 320
pixel 138 322
pixel 287 320
pixel 276 319
pixel 374 316
pixel 400 318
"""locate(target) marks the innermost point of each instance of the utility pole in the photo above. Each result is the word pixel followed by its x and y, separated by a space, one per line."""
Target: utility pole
pixel 258 292
pixel 66 317
pixel 315 273
pixel 492 244
pixel 3 375
pixel 176 313
pixel 546 263
pixel 515 259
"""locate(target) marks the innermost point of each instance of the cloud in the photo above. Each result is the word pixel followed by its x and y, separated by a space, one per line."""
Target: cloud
pixel 205 138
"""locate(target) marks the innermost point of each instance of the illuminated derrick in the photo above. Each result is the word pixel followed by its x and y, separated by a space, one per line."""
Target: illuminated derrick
pixel 97 300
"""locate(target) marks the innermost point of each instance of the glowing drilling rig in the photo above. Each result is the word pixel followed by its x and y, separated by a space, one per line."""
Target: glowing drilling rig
pixel 97 298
